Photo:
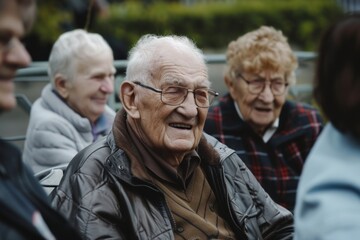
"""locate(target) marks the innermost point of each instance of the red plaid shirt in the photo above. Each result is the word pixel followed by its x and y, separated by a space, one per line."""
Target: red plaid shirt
pixel 277 164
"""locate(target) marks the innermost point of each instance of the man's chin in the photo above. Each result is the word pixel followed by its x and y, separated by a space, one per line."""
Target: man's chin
pixel 182 145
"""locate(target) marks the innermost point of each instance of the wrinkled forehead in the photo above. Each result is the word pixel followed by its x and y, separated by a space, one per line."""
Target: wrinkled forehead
pixel 181 66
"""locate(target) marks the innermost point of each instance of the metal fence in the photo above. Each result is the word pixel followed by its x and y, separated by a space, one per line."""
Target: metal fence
pixel 349 5
pixel 30 81
pixel 37 72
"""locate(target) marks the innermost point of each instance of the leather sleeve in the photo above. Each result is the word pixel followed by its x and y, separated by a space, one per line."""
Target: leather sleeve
pixel 84 197
pixel 253 206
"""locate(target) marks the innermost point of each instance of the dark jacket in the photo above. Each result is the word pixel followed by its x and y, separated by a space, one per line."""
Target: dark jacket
pixel 277 163
pixel 103 199
pixel 20 193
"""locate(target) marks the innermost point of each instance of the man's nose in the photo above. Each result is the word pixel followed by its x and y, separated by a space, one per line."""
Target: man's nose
pixel 17 55
pixel 107 85
pixel 189 104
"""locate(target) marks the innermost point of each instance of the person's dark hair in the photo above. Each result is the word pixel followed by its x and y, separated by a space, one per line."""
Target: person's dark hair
pixel 337 76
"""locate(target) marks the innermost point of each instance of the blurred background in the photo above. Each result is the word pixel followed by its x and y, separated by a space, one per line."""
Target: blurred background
pixel 212 24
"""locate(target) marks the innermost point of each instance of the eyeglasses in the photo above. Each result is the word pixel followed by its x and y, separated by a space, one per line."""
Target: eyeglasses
pixel 174 95
pixel 256 86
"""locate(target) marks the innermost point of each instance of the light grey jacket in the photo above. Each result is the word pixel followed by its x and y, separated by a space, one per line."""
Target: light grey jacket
pixel 328 198
pixel 56 133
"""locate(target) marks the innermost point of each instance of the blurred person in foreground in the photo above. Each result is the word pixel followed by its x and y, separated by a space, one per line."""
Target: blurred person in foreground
pixel 25 212
pixel 271 134
pixel 328 200
pixel 72 111
pixel 157 176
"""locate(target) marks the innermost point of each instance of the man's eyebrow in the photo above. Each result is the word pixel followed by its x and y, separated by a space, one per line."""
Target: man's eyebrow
pixel 17 32
pixel 5 33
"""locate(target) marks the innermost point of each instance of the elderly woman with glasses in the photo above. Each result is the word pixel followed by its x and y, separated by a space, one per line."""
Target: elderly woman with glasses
pixel 157 175
pixel 271 134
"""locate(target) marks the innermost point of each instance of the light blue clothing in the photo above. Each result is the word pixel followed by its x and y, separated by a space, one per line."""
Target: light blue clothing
pixel 101 127
pixel 328 198
pixel 56 133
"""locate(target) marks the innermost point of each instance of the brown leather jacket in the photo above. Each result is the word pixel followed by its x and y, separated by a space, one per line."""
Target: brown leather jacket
pixel 100 196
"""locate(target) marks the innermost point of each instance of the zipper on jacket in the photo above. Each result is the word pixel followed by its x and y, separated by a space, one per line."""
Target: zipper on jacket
pixel 166 207
pixel 224 194
pixel 242 230
pixel 170 215
pixel 225 153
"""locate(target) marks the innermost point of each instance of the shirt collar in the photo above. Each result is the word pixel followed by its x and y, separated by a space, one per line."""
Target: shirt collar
pixel 100 127
pixel 269 132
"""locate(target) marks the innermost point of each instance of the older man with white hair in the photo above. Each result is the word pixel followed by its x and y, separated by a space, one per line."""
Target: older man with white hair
pixel 157 175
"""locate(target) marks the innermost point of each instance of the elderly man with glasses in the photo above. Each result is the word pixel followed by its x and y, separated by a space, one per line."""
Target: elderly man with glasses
pixel 271 134
pixel 157 175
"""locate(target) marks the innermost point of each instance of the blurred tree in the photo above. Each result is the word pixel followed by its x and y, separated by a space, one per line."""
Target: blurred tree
pixel 57 16
pixel 210 24
pixel 52 19
pixel 85 12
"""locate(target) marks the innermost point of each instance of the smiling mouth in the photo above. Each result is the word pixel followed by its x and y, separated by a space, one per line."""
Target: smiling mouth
pixel 180 126
pixel 263 109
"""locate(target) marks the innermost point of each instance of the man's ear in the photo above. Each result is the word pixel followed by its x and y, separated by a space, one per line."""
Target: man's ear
pixel 129 99
pixel 61 85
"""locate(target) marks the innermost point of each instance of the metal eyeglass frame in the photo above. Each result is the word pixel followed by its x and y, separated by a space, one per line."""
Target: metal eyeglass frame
pixel 211 96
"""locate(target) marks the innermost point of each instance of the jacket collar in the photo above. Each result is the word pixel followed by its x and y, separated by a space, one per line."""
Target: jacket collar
pixel 209 150
pixel 55 103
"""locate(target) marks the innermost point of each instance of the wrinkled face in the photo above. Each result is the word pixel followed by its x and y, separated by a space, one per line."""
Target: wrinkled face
pixel 93 81
pixel 173 129
pixel 258 110
pixel 13 54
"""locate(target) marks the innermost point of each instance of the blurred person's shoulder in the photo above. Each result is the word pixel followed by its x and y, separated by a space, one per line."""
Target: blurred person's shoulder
pixel 10 157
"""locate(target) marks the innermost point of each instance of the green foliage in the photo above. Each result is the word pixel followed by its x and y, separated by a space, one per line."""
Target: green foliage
pixel 50 21
pixel 214 25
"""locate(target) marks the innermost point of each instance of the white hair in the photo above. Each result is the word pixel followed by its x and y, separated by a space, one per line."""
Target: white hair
pixel 144 57
pixel 74 46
